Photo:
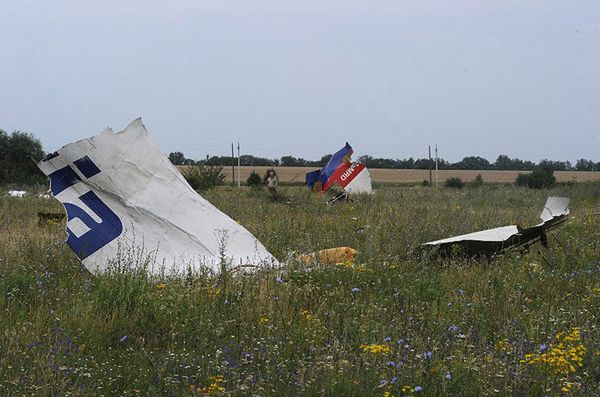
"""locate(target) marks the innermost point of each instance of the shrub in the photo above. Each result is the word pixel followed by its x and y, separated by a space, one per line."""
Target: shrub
pixel 477 182
pixel 253 179
pixel 541 177
pixel 203 177
pixel 522 179
pixel 425 182
pixel 454 182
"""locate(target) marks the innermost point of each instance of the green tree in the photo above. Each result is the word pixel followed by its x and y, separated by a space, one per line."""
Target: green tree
pixel 473 163
pixel 19 152
pixel 250 160
pixel 503 162
pixel 556 165
pixel 585 165
pixel 324 159
pixel 177 158
pixel 291 161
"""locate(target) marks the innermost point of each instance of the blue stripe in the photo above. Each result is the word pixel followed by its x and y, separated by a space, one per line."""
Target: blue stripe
pixel 87 167
pixel 62 179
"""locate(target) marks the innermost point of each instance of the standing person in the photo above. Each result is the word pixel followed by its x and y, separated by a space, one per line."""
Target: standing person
pixel 272 182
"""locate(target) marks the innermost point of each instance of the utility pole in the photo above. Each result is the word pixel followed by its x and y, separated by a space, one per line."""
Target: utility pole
pixel 238 164
pixel 430 161
pixel 232 164
pixel 437 180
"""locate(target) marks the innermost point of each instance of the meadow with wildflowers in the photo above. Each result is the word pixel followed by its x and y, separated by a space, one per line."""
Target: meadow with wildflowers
pixel 390 323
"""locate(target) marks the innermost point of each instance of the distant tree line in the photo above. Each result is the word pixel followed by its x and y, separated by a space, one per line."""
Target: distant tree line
pixel 503 162
pixel 178 158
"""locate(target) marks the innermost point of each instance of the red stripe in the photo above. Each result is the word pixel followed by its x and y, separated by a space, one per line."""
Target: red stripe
pixel 351 173
pixel 335 176
pixel 344 174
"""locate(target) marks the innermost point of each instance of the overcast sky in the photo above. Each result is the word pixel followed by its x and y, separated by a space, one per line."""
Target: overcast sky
pixel 300 77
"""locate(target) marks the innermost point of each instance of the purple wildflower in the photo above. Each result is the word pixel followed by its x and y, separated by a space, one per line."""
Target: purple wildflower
pixel 33 344
pixel 418 389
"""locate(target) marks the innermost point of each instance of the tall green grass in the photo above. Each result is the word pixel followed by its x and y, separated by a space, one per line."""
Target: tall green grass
pixel 443 327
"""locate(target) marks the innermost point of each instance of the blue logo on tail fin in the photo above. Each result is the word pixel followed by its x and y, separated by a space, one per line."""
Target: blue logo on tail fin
pixel 99 233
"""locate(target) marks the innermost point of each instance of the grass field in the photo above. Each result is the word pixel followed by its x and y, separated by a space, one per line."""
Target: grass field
pixel 389 324
pixel 297 174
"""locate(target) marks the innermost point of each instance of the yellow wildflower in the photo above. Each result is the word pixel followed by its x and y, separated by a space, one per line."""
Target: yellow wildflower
pixel 564 355
pixel 361 268
pixel 215 386
pixel 264 320
pixel 347 264
pixel 306 314
pixel 350 265
pixel 214 292
pixel 375 349
pixel 503 345
pixel 161 286
pixel 567 387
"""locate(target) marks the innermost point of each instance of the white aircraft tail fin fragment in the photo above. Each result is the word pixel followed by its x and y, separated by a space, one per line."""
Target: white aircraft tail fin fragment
pixel 120 192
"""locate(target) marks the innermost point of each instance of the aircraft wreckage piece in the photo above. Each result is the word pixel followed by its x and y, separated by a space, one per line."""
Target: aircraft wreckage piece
pixel 354 178
pixel 330 255
pixel 126 203
pixel 493 241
